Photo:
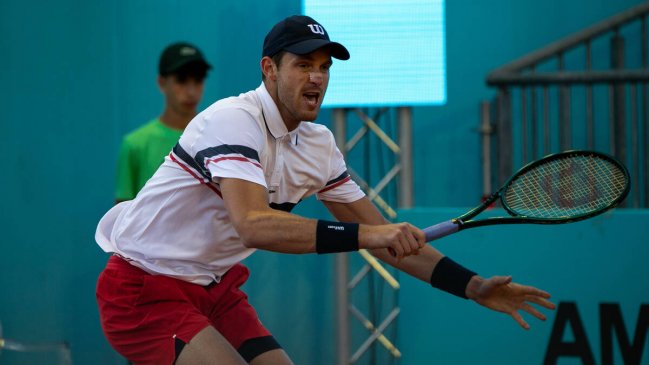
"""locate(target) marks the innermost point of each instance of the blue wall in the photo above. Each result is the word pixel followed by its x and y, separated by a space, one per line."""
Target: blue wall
pixel 77 75
pixel 584 264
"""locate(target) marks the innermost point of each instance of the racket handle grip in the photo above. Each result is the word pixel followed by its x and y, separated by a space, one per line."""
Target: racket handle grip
pixel 441 230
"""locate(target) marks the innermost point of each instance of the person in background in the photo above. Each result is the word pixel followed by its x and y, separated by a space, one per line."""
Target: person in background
pixel 181 74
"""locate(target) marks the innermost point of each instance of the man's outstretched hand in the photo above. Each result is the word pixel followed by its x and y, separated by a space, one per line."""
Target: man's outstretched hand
pixel 499 293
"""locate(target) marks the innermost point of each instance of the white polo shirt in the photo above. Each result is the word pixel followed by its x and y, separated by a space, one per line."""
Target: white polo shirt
pixel 178 225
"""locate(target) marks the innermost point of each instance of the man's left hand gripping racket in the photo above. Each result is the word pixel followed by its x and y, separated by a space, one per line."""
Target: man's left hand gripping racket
pixel 560 188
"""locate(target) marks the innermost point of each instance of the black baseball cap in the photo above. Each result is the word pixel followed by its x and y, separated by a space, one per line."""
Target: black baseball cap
pixel 178 55
pixel 300 34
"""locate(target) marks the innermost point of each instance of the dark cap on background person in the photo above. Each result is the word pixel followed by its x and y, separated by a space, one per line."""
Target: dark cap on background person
pixel 300 34
pixel 178 55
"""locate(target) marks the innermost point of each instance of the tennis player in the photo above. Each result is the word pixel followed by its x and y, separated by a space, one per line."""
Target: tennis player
pixel 170 291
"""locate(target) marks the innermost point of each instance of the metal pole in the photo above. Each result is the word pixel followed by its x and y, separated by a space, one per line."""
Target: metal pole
pixel 618 130
pixel 590 124
pixel 635 155
pixel 565 138
pixel 342 260
pixel 485 131
pixel 504 135
pixel 404 115
pixel 645 116
pixel 524 132
pixel 533 121
pixel 546 120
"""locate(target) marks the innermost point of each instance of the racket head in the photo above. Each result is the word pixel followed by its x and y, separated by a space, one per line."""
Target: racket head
pixel 566 187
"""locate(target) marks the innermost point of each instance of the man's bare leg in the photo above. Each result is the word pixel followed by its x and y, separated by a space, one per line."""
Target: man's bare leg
pixel 209 347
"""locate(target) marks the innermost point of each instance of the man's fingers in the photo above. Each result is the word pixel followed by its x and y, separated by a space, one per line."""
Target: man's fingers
pixel 520 320
pixel 533 311
pixel 540 301
pixel 418 235
pixel 403 238
pixel 530 290
pixel 406 240
pixel 396 246
pixel 412 241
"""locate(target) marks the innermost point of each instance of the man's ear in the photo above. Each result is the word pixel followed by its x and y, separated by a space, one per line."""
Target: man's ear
pixel 161 82
pixel 268 68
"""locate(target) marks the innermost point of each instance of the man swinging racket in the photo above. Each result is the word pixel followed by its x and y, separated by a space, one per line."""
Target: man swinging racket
pixel 170 291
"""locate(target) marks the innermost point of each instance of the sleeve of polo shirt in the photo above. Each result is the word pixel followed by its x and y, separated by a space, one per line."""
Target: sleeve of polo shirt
pixel 231 145
pixel 340 187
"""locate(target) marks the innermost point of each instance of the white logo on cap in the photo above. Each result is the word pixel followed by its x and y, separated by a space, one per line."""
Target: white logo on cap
pixel 187 51
pixel 317 29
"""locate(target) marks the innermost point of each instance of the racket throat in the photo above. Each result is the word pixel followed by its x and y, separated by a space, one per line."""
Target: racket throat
pixel 459 222
pixel 490 200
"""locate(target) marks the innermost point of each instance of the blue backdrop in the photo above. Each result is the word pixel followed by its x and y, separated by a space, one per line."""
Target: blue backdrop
pixel 77 75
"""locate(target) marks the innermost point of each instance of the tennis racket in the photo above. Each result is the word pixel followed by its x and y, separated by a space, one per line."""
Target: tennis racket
pixel 564 187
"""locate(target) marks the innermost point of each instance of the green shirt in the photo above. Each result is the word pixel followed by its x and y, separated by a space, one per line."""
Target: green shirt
pixel 140 155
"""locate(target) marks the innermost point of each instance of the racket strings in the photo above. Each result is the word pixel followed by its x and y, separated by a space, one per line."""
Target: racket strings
pixel 566 187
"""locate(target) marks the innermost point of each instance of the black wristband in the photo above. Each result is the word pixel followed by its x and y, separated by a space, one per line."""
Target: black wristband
pixel 451 277
pixel 333 237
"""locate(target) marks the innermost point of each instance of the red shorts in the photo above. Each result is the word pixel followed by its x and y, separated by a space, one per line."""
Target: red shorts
pixel 145 317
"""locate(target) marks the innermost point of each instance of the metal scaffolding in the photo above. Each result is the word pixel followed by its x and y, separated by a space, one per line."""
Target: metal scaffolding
pixel 402 169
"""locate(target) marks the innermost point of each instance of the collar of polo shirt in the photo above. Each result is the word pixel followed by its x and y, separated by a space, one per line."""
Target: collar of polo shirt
pixel 273 119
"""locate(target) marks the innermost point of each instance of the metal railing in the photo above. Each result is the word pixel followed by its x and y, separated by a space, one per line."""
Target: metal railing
pixel 586 91
pixel 61 349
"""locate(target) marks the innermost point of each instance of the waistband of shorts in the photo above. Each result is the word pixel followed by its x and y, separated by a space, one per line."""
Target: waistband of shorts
pixel 128 266
pixel 117 261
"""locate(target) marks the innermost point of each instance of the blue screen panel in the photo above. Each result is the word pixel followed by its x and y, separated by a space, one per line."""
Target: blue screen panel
pixel 397 51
